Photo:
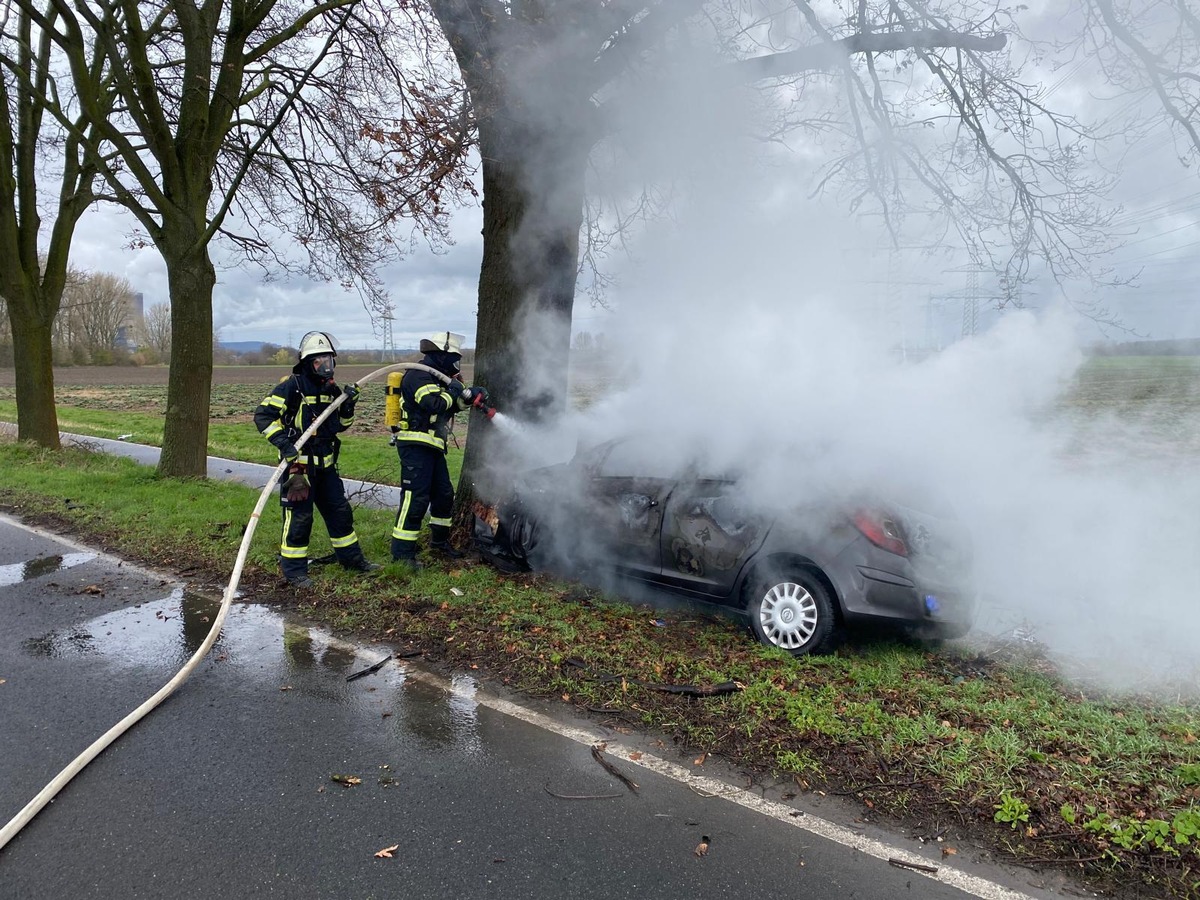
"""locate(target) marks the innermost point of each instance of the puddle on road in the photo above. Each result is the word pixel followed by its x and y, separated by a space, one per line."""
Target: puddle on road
pixel 42 565
pixel 270 654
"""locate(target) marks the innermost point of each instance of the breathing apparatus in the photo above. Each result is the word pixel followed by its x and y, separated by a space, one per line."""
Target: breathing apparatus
pixel 444 348
pixel 321 346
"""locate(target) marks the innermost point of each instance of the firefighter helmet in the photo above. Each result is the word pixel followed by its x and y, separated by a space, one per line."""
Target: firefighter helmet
pixel 317 343
pixel 443 342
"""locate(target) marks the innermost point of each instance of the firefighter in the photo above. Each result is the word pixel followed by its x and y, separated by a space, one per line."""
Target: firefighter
pixel 312 477
pixel 427 408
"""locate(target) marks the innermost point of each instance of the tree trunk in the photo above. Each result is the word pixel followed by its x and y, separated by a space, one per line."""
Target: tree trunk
pixel 191 278
pixel 33 358
pixel 531 219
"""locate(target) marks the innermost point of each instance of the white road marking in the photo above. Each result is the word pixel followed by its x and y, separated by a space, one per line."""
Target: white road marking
pixel 963 881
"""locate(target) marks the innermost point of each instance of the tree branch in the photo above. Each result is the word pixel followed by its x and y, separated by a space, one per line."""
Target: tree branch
pixel 820 57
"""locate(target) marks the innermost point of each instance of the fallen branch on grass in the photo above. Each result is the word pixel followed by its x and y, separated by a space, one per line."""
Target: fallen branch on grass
pixel 876 786
pixel 687 690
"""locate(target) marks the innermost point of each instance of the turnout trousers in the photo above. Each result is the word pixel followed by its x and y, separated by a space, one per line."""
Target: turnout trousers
pixel 328 496
pixel 425 486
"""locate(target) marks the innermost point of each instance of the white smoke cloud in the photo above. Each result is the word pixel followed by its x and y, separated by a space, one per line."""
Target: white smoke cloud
pixel 746 335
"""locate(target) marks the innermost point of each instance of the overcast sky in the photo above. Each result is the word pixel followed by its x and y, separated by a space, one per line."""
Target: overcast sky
pixel 920 293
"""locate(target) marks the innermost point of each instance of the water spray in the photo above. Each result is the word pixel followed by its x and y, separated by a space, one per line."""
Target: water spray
pixel 31 809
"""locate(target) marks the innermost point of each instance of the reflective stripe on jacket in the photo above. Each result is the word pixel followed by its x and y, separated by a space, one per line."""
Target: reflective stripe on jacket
pixel 288 411
pixel 426 410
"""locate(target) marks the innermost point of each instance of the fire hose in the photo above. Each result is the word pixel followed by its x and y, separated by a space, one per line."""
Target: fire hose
pixel 31 809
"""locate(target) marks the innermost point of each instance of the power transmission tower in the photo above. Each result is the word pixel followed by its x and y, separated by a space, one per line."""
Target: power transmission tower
pixel 389 344
pixel 970 299
pixel 970 323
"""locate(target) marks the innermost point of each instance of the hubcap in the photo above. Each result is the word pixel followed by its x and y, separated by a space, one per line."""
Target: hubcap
pixel 788 614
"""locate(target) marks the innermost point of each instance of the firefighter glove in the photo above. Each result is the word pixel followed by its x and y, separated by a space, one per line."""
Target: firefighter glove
pixel 351 390
pixel 479 397
pixel 295 489
pixel 455 389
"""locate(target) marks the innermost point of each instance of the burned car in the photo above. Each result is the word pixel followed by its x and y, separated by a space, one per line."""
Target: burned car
pixel 802 573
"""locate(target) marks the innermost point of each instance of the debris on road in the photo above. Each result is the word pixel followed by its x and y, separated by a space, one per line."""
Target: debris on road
pixel 583 796
pixel 598 755
pixel 386 852
pixel 346 780
pixel 702 847
pixel 905 864
pixel 369 670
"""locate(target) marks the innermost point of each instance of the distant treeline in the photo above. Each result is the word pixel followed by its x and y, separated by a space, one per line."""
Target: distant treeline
pixel 1184 347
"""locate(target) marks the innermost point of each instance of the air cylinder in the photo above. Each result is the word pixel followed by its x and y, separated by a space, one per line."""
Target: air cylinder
pixel 391 409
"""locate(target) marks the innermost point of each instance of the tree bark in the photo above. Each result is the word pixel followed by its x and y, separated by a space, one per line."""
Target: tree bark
pixel 33 358
pixel 526 291
pixel 190 278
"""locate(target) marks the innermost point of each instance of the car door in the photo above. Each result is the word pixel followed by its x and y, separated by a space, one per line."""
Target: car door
pixel 627 496
pixel 708 534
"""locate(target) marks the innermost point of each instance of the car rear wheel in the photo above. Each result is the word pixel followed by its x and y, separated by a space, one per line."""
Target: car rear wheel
pixel 523 535
pixel 791 610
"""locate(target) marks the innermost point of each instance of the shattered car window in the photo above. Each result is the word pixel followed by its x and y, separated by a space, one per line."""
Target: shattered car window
pixel 726 514
pixel 635 510
pixel 710 534
pixel 640 459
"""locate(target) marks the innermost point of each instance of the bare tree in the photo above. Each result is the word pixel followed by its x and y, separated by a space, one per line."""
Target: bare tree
pixel 100 305
pixel 32 276
pixel 243 119
pixel 156 329
pixel 1150 48
pixel 551 81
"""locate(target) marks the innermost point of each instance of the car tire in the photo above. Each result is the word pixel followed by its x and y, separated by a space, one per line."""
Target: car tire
pixel 523 536
pixel 790 609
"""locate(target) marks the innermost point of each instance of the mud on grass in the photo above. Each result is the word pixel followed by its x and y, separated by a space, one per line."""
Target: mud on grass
pixel 940 740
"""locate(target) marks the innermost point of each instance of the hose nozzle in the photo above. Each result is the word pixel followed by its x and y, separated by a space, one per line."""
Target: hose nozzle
pixel 480 403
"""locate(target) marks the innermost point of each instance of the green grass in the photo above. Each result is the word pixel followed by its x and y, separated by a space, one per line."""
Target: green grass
pixel 1007 752
pixel 366 454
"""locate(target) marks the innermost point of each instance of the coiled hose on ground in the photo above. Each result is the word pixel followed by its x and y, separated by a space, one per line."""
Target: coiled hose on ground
pixel 31 809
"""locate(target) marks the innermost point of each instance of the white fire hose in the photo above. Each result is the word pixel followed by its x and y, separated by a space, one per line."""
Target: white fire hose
pixel 10 830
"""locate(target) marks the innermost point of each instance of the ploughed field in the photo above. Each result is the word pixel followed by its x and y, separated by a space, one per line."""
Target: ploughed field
pixel 237 390
pixel 1166 389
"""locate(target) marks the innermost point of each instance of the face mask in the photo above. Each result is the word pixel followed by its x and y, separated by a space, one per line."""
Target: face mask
pixel 323 366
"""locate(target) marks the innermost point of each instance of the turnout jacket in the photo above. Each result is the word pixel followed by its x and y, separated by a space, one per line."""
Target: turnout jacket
pixel 426 410
pixel 291 407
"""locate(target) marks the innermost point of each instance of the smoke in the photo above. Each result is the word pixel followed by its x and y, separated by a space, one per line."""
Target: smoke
pixel 748 334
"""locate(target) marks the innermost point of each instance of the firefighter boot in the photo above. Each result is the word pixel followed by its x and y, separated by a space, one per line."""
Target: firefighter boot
pixel 352 558
pixel 405 553
pixel 445 550
pixel 440 543
pixel 296 572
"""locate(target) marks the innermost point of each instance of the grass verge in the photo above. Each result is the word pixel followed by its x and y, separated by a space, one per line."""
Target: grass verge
pixel 976 750
pixel 136 414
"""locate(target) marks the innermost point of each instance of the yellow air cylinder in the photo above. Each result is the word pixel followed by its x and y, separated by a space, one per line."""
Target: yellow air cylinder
pixel 391 403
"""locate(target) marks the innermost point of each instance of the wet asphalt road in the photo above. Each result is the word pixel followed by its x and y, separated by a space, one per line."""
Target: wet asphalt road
pixel 225 790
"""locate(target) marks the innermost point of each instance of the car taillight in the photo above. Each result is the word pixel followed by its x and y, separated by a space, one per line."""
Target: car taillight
pixel 881 531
